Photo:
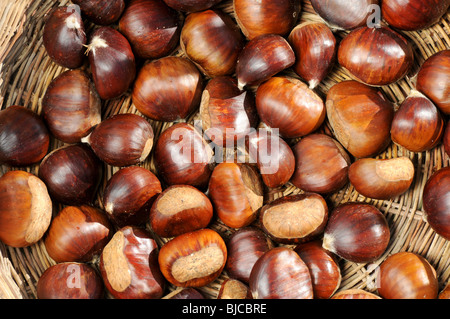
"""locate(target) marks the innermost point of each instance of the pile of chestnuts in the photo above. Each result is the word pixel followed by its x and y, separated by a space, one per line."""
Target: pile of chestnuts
pixel 251 78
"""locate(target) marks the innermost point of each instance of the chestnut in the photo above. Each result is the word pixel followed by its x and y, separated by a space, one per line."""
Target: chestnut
pixel 185 293
pixel 70 280
pixel 323 267
pixel 294 219
pixel 446 138
pixel 234 289
pixel 129 195
pixel 112 62
pixel 236 190
pixel 263 57
pixel 64 36
pixel 25 209
pixel 382 178
pixel 191 5
pixel 357 232
pixel 321 164
pixel 280 274
pixel 355 293
pixel 288 104
pixel 78 234
pixel 445 293
pixel 212 40
pixel 193 259
pixel 436 203
pixel 418 125
pixel 180 209
pixel 407 275
pixel 315 48
pixel 227 113
pixel 341 14
pixel 183 157
pixel 168 89
pixel 101 12
pixel 413 15
pixel 256 18
pixel 360 118
pixel 433 80
pixel 72 174
pixel 383 64
pixel 24 137
pixel 122 140
pixel 71 106
pixel 129 265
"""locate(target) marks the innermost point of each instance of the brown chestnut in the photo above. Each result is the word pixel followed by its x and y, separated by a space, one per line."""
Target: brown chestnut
pixel 280 274
pixel 360 118
pixel 315 48
pixel 78 234
pixel 234 289
pixel 72 174
pixel 180 209
pixel 122 140
pixel 168 89
pixel 191 5
pixel 64 36
pixel 185 293
pixel 24 137
pixel 418 125
pixel 382 178
pixel 384 63
pixel 357 232
pixel 129 265
pixel 263 57
pixel 355 293
pixel 212 40
pixel 193 259
pixel 70 280
pixel 101 12
pixel 71 106
pixel 446 138
pixel 256 18
pixel 294 219
pixel 321 164
pixel 407 275
pixel 436 202
pixel 25 209
pixel 289 105
pixel 129 195
pixel 445 293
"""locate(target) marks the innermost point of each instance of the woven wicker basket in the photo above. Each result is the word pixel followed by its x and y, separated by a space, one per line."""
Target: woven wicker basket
pixel 26 70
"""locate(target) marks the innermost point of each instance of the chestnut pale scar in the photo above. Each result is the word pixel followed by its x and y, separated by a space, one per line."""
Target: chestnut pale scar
pixel 116 266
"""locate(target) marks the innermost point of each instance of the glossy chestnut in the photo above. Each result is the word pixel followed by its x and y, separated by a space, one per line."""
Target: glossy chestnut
pixel 185 293
pixel 234 289
pixel 193 259
pixel 101 12
pixel 445 293
pixel 191 5
pixel 24 137
pixel 446 138
pixel 25 209
pixel 357 232
pixel 355 293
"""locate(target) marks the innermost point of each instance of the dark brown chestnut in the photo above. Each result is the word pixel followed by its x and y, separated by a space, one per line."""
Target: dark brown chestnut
pixel 387 62
pixel 101 12
pixel 436 202
pixel 289 105
pixel 78 234
pixel 129 265
pixel 234 289
pixel 64 36
pixel 112 62
pixel 152 28
pixel 71 106
pixel 25 209
pixel 294 219
pixel 180 209
pixel 185 293
pixel 355 293
pixel 122 140
pixel 193 259
pixel 262 58
pixel 280 274
pixel 129 195
pixel 213 41
pixel 357 232
pixel 321 164
pixel 24 137
pixel 72 174
pixel 168 89
pixel 446 138
pixel 70 280
pixel 360 118
pixel 256 18
pixel 315 48
pixel 236 190
pixel 191 5
pixel 418 125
